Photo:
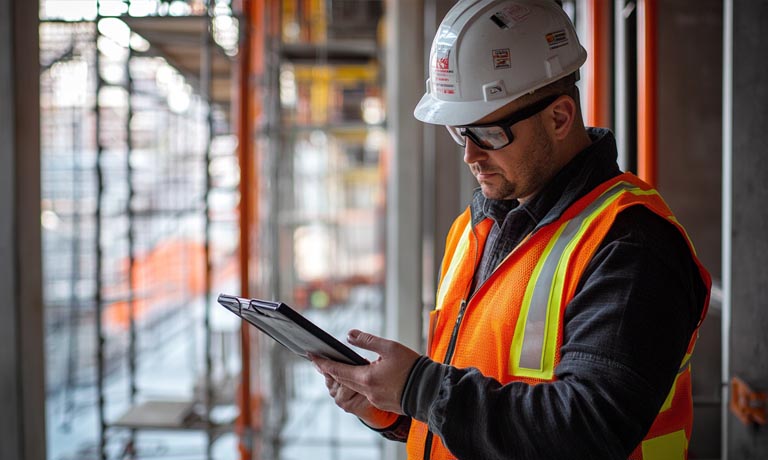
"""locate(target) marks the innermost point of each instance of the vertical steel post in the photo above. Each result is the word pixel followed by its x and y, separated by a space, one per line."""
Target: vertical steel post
pixel 245 154
pixel 599 82
pixel 646 92
pixel 132 336
pixel 621 95
pixel 99 268
pixel 73 322
pixel 727 223
pixel 206 90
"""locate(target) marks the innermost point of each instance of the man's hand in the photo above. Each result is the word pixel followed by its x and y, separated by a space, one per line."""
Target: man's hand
pixel 381 383
pixel 357 404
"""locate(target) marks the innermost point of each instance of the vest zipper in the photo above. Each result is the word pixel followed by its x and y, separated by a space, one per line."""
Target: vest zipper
pixel 446 360
pixel 460 317
pixel 452 345
pixel 455 333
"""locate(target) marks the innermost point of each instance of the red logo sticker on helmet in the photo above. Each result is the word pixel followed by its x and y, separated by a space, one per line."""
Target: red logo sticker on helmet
pixel 442 58
pixel 501 59
pixel 443 77
pixel 557 39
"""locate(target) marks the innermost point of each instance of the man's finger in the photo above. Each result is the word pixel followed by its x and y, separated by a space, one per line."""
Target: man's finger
pixel 368 341
pixel 345 374
pixel 344 394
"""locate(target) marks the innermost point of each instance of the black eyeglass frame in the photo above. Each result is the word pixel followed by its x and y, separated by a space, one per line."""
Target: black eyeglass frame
pixel 460 133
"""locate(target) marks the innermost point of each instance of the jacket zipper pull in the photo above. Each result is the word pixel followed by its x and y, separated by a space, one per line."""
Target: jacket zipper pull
pixel 455 333
pixel 460 316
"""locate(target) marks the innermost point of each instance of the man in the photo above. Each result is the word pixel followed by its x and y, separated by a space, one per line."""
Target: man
pixel 569 298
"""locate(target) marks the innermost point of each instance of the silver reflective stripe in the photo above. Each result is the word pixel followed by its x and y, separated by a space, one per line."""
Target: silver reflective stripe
pixel 536 322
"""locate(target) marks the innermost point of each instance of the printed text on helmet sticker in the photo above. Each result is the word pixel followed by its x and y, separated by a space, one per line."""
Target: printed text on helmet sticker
pixel 557 39
pixel 443 73
pixel 510 16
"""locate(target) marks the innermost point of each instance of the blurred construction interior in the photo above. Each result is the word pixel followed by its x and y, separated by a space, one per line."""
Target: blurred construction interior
pixel 158 152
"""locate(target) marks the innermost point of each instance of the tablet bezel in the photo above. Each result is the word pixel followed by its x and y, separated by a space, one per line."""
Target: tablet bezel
pixel 290 328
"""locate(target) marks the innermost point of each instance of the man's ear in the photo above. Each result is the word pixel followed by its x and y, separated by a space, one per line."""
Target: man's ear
pixel 563 112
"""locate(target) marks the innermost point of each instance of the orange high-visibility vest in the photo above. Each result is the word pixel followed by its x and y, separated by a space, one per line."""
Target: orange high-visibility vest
pixel 512 326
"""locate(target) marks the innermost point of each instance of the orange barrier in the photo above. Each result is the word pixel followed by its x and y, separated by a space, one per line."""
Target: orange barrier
pixel 174 269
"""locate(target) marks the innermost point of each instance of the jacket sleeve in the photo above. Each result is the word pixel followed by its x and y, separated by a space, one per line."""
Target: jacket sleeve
pixel 625 334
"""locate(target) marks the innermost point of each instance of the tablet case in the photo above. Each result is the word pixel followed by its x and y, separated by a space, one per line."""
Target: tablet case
pixel 291 329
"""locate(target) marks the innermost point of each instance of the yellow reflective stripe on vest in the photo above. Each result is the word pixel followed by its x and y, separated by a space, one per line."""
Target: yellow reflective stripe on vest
pixel 532 352
pixel 670 446
pixel 458 254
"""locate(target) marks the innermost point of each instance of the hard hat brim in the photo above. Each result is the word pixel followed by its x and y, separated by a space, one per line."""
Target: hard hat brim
pixel 455 113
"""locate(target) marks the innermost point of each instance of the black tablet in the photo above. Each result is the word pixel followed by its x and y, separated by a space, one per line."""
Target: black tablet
pixel 290 329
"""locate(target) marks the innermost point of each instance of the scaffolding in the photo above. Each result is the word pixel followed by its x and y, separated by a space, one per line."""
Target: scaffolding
pixel 139 213
pixel 321 145
pixel 142 211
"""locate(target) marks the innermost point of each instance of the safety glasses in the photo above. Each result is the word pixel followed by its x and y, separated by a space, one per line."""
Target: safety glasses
pixel 497 135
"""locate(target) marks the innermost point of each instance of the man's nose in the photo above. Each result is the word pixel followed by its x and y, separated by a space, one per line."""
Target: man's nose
pixel 473 153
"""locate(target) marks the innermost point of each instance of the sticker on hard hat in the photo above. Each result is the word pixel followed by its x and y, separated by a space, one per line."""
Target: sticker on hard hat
pixel 557 39
pixel 501 59
pixel 443 78
pixel 510 16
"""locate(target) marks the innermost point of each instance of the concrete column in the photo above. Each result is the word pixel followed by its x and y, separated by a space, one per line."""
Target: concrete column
pixel 747 213
pixel 404 86
pixel 689 174
pixel 447 182
pixel 22 389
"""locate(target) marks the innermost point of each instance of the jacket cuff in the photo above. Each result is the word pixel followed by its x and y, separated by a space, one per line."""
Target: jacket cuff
pixel 383 421
pixel 395 431
pixel 422 388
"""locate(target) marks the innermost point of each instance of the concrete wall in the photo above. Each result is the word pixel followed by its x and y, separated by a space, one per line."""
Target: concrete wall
pixel 10 433
pixel 22 390
pixel 689 176
pixel 690 149
pixel 749 237
pixel 690 119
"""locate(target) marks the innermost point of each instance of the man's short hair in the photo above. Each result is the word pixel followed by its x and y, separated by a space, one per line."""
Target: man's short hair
pixel 565 85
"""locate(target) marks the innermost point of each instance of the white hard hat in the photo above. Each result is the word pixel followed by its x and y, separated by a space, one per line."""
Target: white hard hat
pixel 487 53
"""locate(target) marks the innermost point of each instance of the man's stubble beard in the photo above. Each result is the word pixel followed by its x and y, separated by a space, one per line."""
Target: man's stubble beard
pixel 536 173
